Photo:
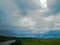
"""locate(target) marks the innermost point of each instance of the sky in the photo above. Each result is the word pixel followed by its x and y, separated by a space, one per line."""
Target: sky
pixel 28 17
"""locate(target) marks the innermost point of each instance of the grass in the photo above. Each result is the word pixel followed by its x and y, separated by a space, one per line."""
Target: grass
pixel 42 42
pixel 31 41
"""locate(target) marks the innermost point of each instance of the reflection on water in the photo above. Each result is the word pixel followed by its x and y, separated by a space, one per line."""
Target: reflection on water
pixel 7 42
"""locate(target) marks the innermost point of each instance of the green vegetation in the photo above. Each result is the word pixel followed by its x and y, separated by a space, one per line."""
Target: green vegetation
pixel 38 42
pixel 31 41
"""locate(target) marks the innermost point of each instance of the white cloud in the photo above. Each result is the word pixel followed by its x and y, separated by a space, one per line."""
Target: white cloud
pixel 25 22
pixel 49 18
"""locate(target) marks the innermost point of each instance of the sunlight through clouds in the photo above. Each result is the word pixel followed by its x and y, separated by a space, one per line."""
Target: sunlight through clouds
pixel 43 3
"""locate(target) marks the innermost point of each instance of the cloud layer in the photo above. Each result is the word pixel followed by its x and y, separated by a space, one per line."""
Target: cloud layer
pixel 34 15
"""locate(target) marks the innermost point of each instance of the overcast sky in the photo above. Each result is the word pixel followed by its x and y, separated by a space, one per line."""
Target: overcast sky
pixel 29 16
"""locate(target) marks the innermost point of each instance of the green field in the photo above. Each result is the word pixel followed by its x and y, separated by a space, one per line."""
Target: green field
pixel 39 42
pixel 31 41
